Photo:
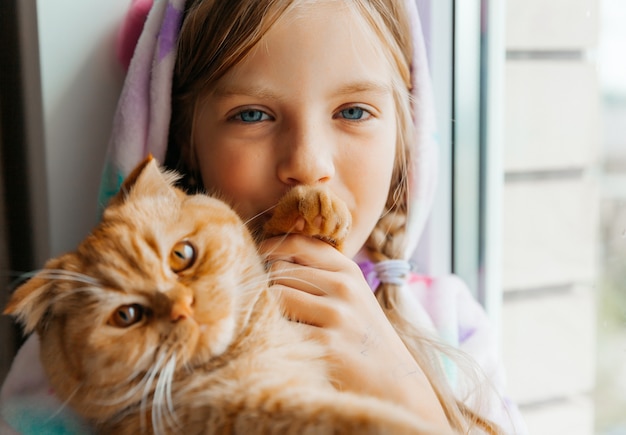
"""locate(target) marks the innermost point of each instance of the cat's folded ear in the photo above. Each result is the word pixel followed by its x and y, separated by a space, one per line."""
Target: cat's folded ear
pixel 147 179
pixel 31 301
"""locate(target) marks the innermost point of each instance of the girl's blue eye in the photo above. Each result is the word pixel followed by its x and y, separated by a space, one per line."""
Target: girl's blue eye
pixel 354 114
pixel 251 115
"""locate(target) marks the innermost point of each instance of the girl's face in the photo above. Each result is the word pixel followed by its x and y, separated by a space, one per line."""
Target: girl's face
pixel 312 103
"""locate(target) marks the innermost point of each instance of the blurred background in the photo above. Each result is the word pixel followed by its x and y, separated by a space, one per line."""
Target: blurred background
pixel 610 393
pixel 564 215
pixel 531 212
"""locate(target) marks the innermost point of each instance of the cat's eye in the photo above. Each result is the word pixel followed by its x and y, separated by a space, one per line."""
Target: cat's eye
pixel 182 256
pixel 127 315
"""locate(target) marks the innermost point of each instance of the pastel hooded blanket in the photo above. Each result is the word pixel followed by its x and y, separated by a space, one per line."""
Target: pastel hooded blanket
pixel 442 305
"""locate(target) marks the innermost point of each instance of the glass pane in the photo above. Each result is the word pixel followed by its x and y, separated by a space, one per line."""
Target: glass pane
pixel 466 144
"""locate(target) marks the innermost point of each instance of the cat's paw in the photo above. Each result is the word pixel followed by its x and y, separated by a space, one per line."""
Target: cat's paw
pixel 313 211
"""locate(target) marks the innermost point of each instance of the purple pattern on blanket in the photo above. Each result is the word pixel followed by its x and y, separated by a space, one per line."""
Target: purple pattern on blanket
pixel 367 267
pixel 169 31
pixel 465 333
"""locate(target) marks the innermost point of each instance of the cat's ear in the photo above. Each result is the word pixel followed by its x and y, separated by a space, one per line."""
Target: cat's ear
pixel 31 301
pixel 147 179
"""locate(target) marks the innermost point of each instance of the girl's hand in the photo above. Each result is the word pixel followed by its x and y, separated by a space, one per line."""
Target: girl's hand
pixel 322 288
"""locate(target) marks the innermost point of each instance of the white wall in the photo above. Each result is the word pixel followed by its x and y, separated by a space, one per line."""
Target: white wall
pixel 81 81
pixel 550 212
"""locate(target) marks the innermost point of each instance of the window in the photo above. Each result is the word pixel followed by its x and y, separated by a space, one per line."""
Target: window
pixel 535 119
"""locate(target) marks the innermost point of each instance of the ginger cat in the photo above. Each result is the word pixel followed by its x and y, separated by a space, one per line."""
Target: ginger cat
pixel 161 322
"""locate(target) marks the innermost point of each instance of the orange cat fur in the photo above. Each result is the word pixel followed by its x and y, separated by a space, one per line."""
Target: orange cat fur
pixel 161 322
pixel 312 211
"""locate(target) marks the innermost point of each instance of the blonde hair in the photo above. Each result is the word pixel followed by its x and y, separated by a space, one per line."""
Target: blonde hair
pixel 218 34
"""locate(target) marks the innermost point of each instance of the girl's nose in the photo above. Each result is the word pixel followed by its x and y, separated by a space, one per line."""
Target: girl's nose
pixel 307 157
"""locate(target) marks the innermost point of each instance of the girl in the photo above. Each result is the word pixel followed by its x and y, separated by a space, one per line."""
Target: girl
pixel 269 94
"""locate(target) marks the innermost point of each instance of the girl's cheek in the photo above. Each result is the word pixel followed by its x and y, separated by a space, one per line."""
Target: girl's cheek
pixel 240 179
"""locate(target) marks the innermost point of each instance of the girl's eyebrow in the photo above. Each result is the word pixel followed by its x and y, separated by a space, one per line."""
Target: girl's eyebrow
pixel 248 91
pixel 364 87
pixel 265 93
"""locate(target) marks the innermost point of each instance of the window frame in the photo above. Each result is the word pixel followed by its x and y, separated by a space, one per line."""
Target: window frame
pixel 465 41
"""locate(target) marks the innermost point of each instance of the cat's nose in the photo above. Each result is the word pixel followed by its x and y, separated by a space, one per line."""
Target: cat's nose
pixel 182 309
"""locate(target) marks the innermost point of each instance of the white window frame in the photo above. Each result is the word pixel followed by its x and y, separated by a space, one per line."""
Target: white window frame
pixel 463 235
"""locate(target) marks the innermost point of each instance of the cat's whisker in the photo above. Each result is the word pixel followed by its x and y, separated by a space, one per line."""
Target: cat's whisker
pixel 266 255
pixel 286 268
pixel 58 275
pixel 60 296
pixel 157 403
pixel 63 405
pixel 255 229
pixel 258 282
pixel 251 288
pixel 139 371
pixel 300 280
pixel 152 373
pixel 131 392
pixel 255 283
pixel 187 367
pixel 282 239
pixel 259 214
pixel 163 405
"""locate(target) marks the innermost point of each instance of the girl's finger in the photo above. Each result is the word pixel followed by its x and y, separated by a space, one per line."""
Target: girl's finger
pixel 303 250
pixel 303 307
pixel 346 285
pixel 298 277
